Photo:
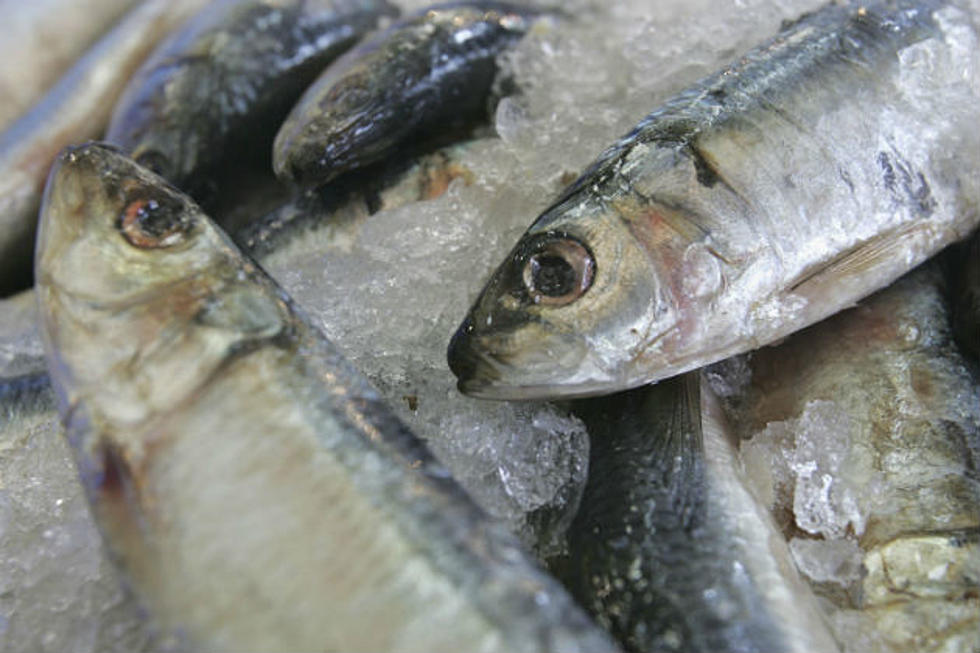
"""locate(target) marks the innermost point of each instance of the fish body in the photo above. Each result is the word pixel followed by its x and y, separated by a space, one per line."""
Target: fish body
pixel 862 433
pixel 41 40
pixel 669 549
pixel 814 170
pixel 256 489
pixel 75 109
pixel 422 74
pixel 229 76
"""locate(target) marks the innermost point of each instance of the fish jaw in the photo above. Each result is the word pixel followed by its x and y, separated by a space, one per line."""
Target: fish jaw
pixel 485 375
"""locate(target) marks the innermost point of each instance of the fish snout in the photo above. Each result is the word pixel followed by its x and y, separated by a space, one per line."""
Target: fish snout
pixel 67 193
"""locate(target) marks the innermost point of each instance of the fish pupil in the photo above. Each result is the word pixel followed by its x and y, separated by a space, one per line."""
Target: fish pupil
pixel 148 216
pixel 147 223
pixel 552 275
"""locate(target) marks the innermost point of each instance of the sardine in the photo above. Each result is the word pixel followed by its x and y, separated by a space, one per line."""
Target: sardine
pixel 256 489
pixel 41 39
pixel 862 433
pixel 76 109
pixel 669 550
pixel 420 75
pixel 226 80
pixel 813 171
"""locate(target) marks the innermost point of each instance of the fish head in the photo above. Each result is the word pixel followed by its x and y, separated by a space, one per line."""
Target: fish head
pixel 345 120
pixel 140 296
pixel 565 315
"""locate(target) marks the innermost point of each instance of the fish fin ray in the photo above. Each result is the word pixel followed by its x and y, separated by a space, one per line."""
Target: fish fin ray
pixel 852 263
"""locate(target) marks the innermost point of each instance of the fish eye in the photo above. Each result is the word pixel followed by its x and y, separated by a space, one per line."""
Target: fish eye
pixel 152 223
pixel 558 272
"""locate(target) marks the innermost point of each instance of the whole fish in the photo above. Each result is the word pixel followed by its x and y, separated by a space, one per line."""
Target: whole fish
pixel 814 170
pixel 76 109
pixel 669 550
pixel 41 40
pixel 420 75
pixel 862 433
pixel 256 489
pixel 228 77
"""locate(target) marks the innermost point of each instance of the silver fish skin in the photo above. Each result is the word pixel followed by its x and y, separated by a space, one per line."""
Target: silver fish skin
pixel 256 489
pixel 41 40
pixel 76 109
pixel 816 169
pixel 670 551
pixel 422 74
pixel 862 434
pixel 225 81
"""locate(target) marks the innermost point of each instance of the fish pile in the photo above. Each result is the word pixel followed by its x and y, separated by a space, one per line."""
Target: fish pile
pixel 250 368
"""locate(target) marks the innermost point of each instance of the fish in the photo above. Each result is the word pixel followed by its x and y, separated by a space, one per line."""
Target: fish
pixel 75 109
pixel 861 435
pixel 227 79
pixel 669 550
pixel 257 491
pixel 41 40
pixel 415 78
pixel 814 170
pixel 966 285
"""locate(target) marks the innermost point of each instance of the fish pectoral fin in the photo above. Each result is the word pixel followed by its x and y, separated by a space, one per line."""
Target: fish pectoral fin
pixel 878 252
pixel 246 312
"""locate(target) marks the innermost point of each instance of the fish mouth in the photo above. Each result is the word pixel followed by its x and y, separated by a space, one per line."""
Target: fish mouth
pixel 471 365
pixel 483 373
